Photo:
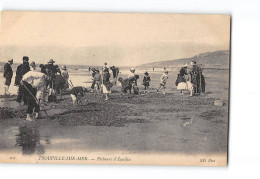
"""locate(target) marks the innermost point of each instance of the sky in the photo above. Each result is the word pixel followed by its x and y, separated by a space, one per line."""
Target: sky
pixel 122 39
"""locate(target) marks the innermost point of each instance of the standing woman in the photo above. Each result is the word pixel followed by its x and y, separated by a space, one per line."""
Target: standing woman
pixel 106 83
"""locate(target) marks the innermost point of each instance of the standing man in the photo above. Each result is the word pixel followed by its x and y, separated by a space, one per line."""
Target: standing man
pixel 20 71
pixel 115 72
pixel 8 74
pixel 52 71
pixel 197 79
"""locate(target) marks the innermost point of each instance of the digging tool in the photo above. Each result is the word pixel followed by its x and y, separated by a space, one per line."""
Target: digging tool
pixel 44 110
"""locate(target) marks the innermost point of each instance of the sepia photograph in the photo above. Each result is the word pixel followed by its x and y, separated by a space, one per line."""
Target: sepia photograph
pixel 114 88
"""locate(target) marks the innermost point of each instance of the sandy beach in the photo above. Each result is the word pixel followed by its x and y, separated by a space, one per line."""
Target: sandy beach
pixel 173 123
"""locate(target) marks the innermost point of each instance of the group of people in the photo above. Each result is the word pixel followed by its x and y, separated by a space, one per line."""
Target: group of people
pixel 34 84
pixel 192 80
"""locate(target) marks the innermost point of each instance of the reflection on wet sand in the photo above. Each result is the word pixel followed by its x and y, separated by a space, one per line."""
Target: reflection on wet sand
pixel 28 138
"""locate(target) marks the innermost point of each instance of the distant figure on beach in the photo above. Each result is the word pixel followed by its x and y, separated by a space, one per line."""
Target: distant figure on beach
pixel 197 79
pixel 182 75
pixel 115 72
pixel 8 74
pixel 20 71
pixel 106 83
pixel 132 73
pixel 146 82
pixel 97 81
pixel 92 78
pixel 163 81
pixel 76 93
pixel 52 70
pixel 105 67
pixel 34 83
pixel 153 68
pixel 182 82
pixel 65 75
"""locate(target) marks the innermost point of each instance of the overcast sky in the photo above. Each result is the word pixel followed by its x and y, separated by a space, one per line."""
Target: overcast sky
pixel 117 38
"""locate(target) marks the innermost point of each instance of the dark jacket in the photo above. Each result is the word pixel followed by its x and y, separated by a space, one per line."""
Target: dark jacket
pixel 20 71
pixel 146 80
pixel 8 72
pixel 183 71
pixel 52 70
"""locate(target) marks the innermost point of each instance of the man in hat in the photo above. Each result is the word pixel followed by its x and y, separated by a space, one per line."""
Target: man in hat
pixel 105 67
pixel 52 71
pixel 20 71
pixel 197 78
pixel 34 83
pixel 8 74
pixel 163 81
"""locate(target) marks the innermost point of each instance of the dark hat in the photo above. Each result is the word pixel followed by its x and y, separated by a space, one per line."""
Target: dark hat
pixel 51 61
pixel 25 58
pixel 105 63
pixel 33 64
pixel 11 60
pixel 146 73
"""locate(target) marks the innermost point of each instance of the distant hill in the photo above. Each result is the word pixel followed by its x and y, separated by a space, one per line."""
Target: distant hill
pixel 218 59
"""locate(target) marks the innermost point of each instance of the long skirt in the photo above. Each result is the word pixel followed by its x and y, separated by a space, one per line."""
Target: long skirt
pixel 105 90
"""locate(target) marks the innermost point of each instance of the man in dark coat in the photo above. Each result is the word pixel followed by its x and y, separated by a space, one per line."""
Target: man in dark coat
pixel 20 71
pixel 197 78
pixel 115 72
pixel 8 74
pixel 52 70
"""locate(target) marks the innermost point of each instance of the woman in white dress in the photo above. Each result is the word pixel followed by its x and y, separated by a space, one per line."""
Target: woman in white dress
pixel 106 83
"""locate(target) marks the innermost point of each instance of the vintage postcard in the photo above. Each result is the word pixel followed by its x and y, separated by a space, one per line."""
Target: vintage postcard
pixel 114 88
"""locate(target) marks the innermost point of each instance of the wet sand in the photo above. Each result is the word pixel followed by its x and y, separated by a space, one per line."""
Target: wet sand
pixel 154 123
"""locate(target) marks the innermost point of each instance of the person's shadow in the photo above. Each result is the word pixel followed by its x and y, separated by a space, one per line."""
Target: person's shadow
pixel 28 139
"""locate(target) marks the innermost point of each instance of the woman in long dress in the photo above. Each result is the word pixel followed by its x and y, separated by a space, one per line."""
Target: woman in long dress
pixel 106 83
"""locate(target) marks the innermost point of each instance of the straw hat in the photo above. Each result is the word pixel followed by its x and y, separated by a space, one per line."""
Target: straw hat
pixel 186 65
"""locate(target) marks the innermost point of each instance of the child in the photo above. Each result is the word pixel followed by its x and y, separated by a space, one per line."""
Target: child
pixel 163 80
pixel 146 82
pixel 76 93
